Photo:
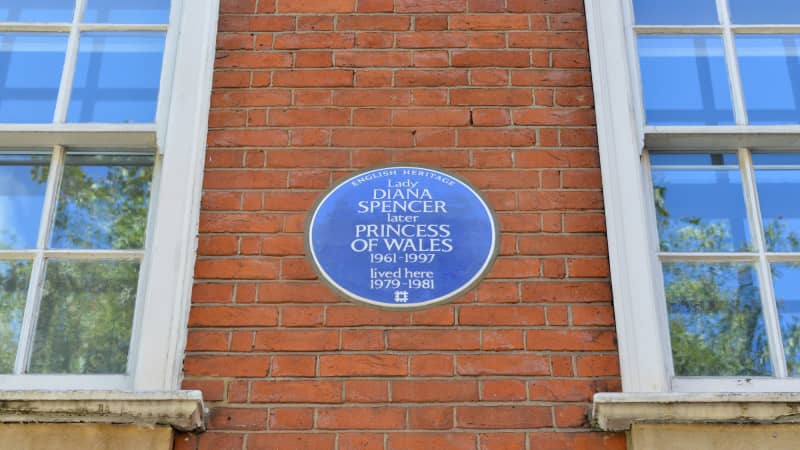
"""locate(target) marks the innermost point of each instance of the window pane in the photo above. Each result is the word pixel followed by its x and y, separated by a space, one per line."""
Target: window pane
pixel 117 77
pixel 14 277
pixel 700 209
pixel 765 12
pixel 103 202
pixel 781 218
pixel 127 11
pixel 674 12
pixel 770 159
pixel 685 80
pixel 694 159
pixel 36 10
pixel 715 320
pixel 85 317
pixel 786 279
pixel 23 181
pixel 29 96
pixel 770 68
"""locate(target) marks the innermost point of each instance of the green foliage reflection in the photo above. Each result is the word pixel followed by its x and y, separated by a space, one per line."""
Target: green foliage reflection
pixel 715 319
pixel 715 314
pixel 14 276
pixel 102 203
pixel 86 313
pixel 85 317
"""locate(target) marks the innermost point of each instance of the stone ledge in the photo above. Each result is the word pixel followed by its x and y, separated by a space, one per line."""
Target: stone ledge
pixel 182 410
pixel 618 411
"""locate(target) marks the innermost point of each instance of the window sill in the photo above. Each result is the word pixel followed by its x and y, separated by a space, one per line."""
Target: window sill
pixel 182 410
pixel 618 411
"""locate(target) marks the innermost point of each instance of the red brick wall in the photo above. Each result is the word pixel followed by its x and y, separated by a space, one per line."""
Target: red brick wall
pixel 305 92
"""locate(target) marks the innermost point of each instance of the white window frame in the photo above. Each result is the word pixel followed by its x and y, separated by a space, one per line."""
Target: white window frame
pixel 177 140
pixel 639 303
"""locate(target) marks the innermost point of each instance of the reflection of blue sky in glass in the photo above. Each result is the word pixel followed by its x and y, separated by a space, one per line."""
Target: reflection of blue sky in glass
pixel 699 209
pixel 786 279
pixel 97 11
pixel 30 73
pixel 127 11
pixel 781 218
pixel 117 77
pixel 693 159
pixel 14 278
pixel 715 318
pixel 21 199
pixel 673 12
pixel 685 80
pixel 769 159
pixel 770 68
pixel 103 202
pixel 785 12
pixel 36 10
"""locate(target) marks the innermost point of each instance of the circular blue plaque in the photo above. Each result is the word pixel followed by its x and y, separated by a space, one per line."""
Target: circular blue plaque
pixel 402 237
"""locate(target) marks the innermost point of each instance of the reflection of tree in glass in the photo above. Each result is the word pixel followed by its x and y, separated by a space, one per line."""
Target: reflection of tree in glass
pixel 790 321
pixel 85 317
pixel 716 321
pixel 86 313
pixel 779 238
pixel 103 203
pixel 691 234
pixel 23 180
pixel 716 326
pixel 14 277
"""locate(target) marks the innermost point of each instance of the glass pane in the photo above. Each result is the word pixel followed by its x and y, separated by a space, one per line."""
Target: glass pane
pixel 23 181
pixel 700 209
pixel 36 10
pixel 85 317
pixel 29 96
pixel 715 320
pixel 117 77
pixel 765 12
pixel 693 159
pixel 676 12
pixel 103 202
pixel 14 277
pixel 685 80
pixel 781 218
pixel 770 68
pixel 127 11
pixel 786 279
pixel 770 159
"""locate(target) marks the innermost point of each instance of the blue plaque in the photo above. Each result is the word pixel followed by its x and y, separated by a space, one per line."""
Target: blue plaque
pixel 402 237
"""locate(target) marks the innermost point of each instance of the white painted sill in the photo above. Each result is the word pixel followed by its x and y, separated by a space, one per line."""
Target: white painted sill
pixel 618 411
pixel 182 410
